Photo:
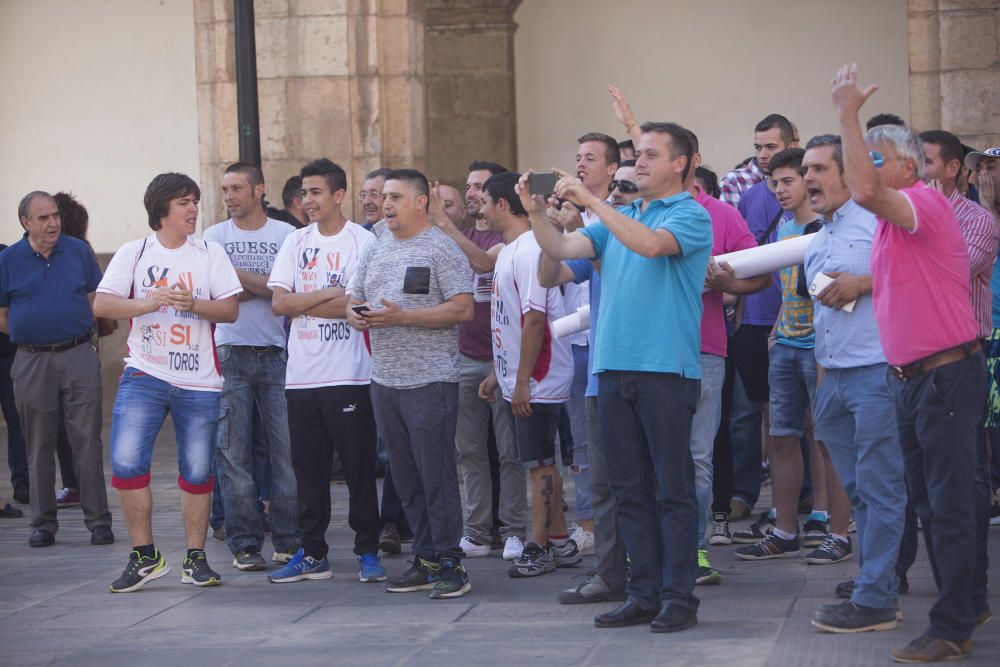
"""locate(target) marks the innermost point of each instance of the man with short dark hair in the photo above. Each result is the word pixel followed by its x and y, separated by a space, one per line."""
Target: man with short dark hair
pixel 654 255
pixel 47 284
pixel 410 291
pixel 622 188
pixel 626 150
pixel 328 378
pixel 920 279
pixel 174 287
pixel 884 119
pixel 291 197
pixel 252 357
pixel 773 133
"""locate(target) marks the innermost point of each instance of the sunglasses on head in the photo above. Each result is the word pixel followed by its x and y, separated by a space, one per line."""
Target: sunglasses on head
pixel 625 187
pixel 877 159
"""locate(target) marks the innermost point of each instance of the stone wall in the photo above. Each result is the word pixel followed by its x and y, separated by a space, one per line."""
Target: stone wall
pixel 954 53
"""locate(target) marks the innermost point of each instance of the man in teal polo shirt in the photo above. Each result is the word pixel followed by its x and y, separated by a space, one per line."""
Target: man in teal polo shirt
pixel 47 284
pixel 654 255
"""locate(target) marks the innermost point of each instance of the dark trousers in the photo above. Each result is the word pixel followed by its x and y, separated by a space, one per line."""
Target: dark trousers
pixel 321 420
pixel 938 415
pixel 65 455
pixel 418 428
pixel 392 506
pixel 17 454
pixel 722 452
pixel 645 423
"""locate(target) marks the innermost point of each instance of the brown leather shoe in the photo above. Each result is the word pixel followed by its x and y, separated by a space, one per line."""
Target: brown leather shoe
pixel 931 649
pixel 389 541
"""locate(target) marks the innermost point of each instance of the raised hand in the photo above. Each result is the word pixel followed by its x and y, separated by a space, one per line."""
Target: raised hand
pixel 573 189
pixel 623 111
pixel 532 203
pixel 847 95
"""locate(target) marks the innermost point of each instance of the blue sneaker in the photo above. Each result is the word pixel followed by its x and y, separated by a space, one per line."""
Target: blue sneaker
pixel 371 568
pixel 302 567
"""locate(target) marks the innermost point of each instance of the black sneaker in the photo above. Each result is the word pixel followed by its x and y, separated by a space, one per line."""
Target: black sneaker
pixel 421 576
pixel 567 555
pixel 453 580
pixel 196 571
pixel 534 561
pixel 849 617
pixel 249 559
pixel 757 531
pixel 138 572
pixel 833 550
pixel 771 546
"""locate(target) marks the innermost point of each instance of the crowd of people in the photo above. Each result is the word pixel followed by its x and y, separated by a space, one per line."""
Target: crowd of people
pixel 863 384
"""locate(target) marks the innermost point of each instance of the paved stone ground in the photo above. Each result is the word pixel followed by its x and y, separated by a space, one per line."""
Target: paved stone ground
pixel 55 609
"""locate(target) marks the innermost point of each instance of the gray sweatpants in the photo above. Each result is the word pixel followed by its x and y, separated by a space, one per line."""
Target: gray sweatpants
pixel 418 428
pixel 44 381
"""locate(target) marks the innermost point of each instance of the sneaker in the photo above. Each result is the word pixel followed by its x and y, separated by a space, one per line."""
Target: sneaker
pixel 389 541
pixel 706 573
pixel 720 530
pixel 513 547
pixel 931 649
pixel 284 555
pixel 473 549
pixel 67 497
pixel 850 617
pixel 249 560
pixel 371 569
pixel 534 561
pixel 771 546
pixel 568 555
pixel 833 550
pixel 740 509
pixel 301 567
pixel 421 576
pixel 815 533
pixel 594 589
pixel 453 580
pixel 139 572
pixel 196 570
pixel 584 539
pixel 757 531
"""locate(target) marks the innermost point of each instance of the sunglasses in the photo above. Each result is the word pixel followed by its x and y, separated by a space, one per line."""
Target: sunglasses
pixel 625 187
pixel 877 159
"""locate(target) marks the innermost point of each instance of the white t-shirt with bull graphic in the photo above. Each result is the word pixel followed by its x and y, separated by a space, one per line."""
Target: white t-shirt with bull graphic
pixel 322 352
pixel 173 346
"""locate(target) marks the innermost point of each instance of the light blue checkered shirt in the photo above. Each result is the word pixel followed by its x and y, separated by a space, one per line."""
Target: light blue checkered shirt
pixel 845 340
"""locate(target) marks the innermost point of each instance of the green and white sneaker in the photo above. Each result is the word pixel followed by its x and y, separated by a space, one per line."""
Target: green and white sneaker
pixel 422 576
pixel 196 571
pixel 706 573
pixel 138 572
pixel 453 581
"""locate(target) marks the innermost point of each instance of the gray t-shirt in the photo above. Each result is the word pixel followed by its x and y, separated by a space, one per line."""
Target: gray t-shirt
pixel 253 252
pixel 420 272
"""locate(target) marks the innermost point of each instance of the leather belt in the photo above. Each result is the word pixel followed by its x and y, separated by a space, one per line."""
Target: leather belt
pixel 912 370
pixel 58 347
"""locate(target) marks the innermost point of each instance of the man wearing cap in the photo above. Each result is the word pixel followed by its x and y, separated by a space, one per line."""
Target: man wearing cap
pixel 47 286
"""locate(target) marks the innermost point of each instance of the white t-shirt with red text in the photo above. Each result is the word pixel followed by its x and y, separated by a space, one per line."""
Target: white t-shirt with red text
pixel 173 346
pixel 515 292
pixel 322 352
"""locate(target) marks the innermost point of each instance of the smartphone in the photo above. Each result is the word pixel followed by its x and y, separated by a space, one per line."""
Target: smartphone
pixel 361 308
pixel 543 183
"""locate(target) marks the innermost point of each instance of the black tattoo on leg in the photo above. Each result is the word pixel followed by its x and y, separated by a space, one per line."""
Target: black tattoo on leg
pixel 547 493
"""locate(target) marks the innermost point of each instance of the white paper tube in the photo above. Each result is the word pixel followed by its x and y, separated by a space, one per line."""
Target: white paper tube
pixel 767 258
pixel 572 323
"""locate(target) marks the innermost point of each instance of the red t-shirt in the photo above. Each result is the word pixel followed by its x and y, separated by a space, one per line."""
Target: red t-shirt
pixel 474 336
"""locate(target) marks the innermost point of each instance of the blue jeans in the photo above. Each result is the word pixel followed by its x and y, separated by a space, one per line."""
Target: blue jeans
pixel 645 425
pixel 704 426
pixel 141 406
pixel 581 442
pixel 855 418
pixel 791 374
pixel 254 380
pixel 938 414
pixel 261 474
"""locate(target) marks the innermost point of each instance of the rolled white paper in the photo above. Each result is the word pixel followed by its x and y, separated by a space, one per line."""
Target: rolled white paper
pixel 767 258
pixel 572 323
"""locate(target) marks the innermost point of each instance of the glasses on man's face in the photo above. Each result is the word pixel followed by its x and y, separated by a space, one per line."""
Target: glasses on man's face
pixel 623 186
pixel 373 196
pixel 877 159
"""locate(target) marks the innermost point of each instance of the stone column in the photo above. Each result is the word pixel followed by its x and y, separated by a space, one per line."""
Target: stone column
pixel 341 79
pixel 955 68
pixel 469 51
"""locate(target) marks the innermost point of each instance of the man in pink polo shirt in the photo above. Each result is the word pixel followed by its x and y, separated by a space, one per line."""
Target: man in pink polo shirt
pixel 921 295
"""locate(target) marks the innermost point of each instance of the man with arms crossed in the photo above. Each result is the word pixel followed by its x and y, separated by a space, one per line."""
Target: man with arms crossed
pixel 174 287
pixel 654 255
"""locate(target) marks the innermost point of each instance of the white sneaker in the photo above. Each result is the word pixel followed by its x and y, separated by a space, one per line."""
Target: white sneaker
pixel 513 547
pixel 584 539
pixel 473 549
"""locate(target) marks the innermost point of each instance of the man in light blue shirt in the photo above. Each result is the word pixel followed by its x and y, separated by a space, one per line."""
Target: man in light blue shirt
pixel 253 453
pixel 654 255
pixel 853 412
